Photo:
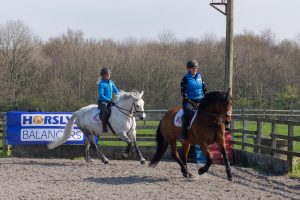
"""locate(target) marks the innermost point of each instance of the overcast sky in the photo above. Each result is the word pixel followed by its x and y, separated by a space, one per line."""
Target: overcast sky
pixel 120 19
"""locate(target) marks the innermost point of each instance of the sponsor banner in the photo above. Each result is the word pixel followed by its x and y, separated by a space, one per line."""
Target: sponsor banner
pixel 49 120
pixel 40 128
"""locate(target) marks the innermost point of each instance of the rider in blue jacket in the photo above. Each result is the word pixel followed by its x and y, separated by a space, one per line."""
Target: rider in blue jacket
pixel 192 90
pixel 106 88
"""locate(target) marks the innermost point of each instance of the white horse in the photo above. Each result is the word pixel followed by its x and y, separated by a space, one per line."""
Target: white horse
pixel 122 123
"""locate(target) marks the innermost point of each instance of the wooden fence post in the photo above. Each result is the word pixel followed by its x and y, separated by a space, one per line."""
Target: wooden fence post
pixel 290 146
pixel 273 137
pixel 258 136
pixel 244 134
pixel 4 144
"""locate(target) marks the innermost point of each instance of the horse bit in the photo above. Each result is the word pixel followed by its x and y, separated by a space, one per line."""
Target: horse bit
pixel 131 112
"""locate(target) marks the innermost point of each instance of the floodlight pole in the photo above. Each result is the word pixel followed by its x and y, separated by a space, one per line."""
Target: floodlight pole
pixel 229 41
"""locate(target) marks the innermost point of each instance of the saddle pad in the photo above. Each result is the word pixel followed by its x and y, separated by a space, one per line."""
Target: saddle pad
pixel 95 116
pixel 178 117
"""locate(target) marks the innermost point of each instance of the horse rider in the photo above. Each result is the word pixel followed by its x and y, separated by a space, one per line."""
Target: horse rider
pixel 192 90
pixel 106 88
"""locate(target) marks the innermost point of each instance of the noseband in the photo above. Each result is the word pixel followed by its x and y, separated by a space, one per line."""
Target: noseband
pixel 219 117
pixel 130 113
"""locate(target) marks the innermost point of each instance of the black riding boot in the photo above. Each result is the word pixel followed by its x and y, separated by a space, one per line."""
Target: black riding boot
pixel 184 128
pixel 104 123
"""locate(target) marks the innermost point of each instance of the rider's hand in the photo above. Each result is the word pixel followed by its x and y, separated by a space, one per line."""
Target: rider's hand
pixel 192 103
pixel 111 103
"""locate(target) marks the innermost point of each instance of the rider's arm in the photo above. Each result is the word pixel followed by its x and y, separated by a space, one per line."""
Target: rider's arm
pixel 183 86
pixel 115 89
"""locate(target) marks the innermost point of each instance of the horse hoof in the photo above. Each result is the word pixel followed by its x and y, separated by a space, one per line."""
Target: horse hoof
pixel 89 160
pixel 124 155
pixel 143 161
pixel 105 161
pixel 230 178
pixel 153 165
pixel 187 175
pixel 201 171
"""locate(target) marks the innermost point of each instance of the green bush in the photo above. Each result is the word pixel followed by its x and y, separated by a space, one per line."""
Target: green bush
pixel 288 99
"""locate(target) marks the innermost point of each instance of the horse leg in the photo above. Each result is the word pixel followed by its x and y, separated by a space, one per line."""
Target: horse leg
pixel 204 148
pixel 139 154
pixel 225 158
pixel 132 137
pixel 185 151
pixel 124 137
pixel 128 149
pixel 175 155
pixel 87 156
pixel 87 146
pixel 95 147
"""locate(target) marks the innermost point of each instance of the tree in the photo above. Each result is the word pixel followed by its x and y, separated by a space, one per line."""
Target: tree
pixel 288 99
pixel 19 64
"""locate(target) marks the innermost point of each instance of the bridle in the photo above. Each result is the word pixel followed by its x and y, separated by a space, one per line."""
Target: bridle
pixel 130 113
pixel 220 118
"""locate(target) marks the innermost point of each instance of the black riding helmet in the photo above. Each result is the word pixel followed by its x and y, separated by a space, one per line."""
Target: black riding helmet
pixel 104 71
pixel 191 64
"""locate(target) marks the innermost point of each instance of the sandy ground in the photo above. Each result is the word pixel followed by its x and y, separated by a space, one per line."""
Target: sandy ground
pixel 75 179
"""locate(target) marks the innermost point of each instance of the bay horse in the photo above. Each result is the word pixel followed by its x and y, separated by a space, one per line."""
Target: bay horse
pixel 208 127
pixel 121 121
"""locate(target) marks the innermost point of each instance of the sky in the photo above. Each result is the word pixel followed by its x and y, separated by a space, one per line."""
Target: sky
pixel 146 19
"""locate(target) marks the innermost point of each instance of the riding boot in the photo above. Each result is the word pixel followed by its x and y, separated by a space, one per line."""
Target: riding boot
pixel 104 122
pixel 184 129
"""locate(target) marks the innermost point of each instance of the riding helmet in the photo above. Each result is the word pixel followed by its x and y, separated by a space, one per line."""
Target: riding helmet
pixel 191 64
pixel 104 71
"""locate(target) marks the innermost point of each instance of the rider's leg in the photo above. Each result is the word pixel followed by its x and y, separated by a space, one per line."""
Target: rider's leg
pixel 187 109
pixel 104 122
pixel 103 115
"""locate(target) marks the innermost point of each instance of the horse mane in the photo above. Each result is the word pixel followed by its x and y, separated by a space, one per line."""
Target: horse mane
pixel 122 95
pixel 212 98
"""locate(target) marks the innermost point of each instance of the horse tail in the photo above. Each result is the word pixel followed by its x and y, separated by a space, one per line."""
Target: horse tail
pixel 66 135
pixel 162 146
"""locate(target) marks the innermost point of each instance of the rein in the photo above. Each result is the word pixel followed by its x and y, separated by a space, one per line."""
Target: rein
pixel 131 112
pixel 219 119
pixel 130 115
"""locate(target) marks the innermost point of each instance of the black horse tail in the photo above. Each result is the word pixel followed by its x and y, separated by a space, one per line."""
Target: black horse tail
pixel 161 148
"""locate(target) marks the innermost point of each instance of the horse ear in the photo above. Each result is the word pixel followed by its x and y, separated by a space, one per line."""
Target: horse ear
pixel 228 91
pixel 141 94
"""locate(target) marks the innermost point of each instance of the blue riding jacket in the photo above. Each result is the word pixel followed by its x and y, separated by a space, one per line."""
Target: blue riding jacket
pixel 105 90
pixel 192 87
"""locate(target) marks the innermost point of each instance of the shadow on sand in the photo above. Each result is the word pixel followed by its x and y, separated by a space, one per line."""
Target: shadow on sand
pixel 261 182
pixel 127 180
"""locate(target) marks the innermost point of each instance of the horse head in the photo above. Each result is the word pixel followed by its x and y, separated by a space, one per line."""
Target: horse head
pixel 132 102
pixel 218 104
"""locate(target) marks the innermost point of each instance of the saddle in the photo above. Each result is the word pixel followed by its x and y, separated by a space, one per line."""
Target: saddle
pixel 178 118
pixel 108 110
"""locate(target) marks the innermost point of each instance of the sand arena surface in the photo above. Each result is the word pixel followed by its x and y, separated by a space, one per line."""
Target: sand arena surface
pixel 75 179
